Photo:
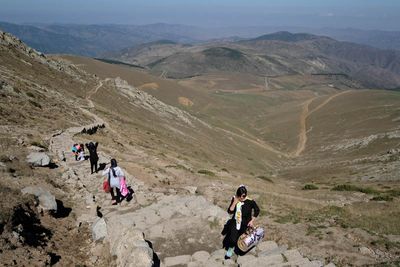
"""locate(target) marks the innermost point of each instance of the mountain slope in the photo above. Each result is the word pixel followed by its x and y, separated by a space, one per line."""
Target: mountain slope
pixel 276 54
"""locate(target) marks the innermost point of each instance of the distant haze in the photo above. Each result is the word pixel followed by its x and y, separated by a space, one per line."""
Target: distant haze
pixel 362 14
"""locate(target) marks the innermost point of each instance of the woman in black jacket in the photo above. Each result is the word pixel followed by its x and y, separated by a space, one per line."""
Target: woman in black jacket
pixel 93 157
pixel 244 211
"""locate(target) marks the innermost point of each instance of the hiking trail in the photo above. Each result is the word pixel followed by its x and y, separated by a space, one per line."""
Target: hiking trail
pixel 185 232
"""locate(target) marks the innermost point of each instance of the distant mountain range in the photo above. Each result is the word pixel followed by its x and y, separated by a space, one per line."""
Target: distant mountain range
pixel 91 40
pixel 276 54
pixel 96 40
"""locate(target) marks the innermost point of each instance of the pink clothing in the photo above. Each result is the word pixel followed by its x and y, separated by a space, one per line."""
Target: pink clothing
pixel 123 187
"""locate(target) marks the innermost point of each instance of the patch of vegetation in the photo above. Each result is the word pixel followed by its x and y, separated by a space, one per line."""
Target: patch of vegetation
pixel 265 178
pixel 382 198
pixel 223 52
pixel 394 192
pixel 389 245
pixel 388 264
pixel 206 172
pixel 354 188
pixel 315 230
pixel 111 61
pixel 30 94
pixel 214 224
pixel 310 187
pixel 225 170
pixel 330 212
pixel 177 166
pixel 292 217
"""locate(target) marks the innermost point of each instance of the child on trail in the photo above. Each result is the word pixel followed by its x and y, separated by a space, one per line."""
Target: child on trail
pixel 244 211
pixel 74 150
pixel 93 157
pixel 81 152
pixel 114 176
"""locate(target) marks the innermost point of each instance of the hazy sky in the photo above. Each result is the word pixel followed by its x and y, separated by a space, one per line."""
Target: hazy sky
pixel 364 14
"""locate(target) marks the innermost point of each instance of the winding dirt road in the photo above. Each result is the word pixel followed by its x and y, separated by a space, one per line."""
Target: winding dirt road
pixel 303 120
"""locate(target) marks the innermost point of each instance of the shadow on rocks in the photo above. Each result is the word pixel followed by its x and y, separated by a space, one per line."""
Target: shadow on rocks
pixel 156 259
pixel 102 166
pixel 62 212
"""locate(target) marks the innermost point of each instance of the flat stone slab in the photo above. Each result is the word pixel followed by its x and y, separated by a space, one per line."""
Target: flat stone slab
pixel 292 255
pixel 99 229
pixel 178 260
pixel 38 159
pixel 201 256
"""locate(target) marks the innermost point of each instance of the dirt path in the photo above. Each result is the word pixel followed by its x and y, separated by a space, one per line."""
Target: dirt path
pixel 94 91
pixel 303 121
pixel 255 142
pixel 303 128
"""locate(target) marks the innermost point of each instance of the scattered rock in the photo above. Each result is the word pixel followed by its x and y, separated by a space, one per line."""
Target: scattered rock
pixel 38 159
pixel 292 255
pixel 366 251
pixel 129 246
pixel 178 260
pixel 47 201
pixel 36 148
pixel 191 189
pixel 245 259
pixel 99 229
pixel 201 256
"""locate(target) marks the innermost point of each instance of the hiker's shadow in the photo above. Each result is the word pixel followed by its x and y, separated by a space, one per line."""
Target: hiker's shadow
pixel 156 259
pixel 102 166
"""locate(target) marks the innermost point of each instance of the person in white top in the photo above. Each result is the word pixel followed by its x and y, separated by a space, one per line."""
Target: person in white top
pixel 114 176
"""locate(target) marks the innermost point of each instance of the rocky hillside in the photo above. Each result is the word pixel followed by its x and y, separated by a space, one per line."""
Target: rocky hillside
pixel 183 163
pixel 275 54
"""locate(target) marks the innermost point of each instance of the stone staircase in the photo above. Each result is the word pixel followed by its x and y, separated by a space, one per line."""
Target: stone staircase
pixel 267 253
pixel 175 223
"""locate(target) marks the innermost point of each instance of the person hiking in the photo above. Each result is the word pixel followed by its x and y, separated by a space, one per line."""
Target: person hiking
pixel 244 211
pixel 93 157
pixel 114 176
pixel 74 151
pixel 81 152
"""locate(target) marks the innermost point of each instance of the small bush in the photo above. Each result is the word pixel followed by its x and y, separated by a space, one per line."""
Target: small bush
pixel 225 170
pixel 310 187
pixel 394 192
pixel 353 188
pixel 206 172
pixel 30 94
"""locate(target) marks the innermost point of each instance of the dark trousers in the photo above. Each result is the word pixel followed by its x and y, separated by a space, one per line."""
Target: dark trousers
pixel 93 165
pixel 113 197
pixel 233 234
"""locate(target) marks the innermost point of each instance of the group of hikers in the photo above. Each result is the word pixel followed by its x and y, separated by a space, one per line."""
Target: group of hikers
pixel 115 176
pixel 240 231
pixel 79 151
